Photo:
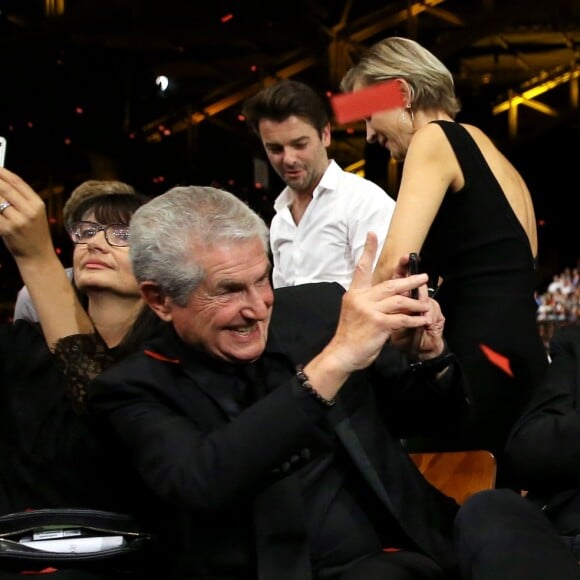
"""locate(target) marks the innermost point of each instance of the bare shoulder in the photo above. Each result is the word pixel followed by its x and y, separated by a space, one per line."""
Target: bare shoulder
pixel 496 160
pixel 429 133
pixel 482 140
pixel 432 133
pixel 493 155
pixel 430 150
pixel 430 141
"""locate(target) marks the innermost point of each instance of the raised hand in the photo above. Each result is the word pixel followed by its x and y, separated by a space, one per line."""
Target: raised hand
pixel 26 233
pixel 23 224
pixel 370 314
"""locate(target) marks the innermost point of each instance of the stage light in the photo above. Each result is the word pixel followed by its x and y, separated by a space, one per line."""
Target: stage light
pixel 162 82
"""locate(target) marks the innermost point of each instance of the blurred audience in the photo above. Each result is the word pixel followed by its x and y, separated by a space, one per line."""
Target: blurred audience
pixel 559 303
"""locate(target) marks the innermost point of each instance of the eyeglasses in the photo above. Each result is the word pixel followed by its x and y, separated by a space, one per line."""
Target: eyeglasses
pixel 115 234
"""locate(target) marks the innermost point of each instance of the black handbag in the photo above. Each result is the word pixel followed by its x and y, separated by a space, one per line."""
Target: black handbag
pixel 73 538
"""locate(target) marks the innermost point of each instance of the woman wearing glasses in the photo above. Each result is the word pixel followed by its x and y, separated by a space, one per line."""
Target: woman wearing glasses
pixel 23 306
pixel 51 454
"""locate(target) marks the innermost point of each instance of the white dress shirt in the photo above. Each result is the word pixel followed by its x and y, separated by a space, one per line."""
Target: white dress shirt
pixel 328 241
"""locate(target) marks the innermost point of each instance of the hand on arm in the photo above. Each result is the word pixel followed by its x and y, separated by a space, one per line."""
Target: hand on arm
pixel 430 343
pixel 26 233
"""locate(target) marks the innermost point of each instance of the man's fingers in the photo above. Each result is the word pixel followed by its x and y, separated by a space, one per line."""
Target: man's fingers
pixel 363 272
pixel 402 267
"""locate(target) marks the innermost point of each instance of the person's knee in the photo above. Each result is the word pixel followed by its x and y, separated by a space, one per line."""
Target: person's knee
pixel 484 509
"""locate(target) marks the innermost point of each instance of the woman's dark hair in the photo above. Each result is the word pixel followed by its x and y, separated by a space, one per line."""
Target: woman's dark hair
pixel 145 326
pixel 109 208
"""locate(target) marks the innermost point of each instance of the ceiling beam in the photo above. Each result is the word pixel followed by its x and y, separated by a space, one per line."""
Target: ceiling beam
pixel 356 32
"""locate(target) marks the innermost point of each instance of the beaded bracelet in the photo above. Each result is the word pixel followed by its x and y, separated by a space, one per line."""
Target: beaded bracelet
pixel 306 385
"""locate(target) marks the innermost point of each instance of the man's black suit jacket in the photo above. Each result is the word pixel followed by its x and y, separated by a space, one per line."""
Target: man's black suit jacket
pixel 544 445
pixel 209 470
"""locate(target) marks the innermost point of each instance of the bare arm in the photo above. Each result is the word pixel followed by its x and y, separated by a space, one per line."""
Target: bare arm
pixel 430 169
pixel 25 231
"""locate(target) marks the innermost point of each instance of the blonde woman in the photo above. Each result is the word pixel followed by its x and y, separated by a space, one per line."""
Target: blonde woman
pixel 465 208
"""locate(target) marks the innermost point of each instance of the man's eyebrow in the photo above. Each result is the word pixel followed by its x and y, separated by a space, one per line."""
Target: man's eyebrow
pixel 300 139
pixel 232 284
pixel 297 141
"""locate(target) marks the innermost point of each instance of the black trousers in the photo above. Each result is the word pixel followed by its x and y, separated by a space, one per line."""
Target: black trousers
pixel 66 575
pixel 501 535
pixel 69 573
pixel 402 565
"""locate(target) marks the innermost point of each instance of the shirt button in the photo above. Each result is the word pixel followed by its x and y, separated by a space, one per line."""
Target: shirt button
pixel 305 453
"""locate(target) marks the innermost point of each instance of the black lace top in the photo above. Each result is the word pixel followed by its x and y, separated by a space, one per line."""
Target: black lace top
pixel 81 357
pixel 53 453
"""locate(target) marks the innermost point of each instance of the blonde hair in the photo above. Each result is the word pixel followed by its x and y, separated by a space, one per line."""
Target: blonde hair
pixel 431 82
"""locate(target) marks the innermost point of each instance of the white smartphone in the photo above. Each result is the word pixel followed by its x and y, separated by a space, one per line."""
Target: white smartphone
pixel 2 150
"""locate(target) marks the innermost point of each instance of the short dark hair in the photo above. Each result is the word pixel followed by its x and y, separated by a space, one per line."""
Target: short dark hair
pixel 284 99
pixel 107 208
pixel 92 188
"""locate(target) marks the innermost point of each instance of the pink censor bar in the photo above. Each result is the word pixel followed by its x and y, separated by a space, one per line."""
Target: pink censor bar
pixel 361 104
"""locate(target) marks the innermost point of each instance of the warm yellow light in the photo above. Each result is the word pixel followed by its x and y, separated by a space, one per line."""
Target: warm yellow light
pixel 528 95
pixel 54 7
pixel 356 166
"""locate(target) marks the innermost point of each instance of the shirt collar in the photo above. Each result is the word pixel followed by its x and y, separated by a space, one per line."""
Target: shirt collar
pixel 329 181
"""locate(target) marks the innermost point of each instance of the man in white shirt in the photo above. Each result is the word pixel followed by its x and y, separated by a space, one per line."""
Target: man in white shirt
pixel 324 213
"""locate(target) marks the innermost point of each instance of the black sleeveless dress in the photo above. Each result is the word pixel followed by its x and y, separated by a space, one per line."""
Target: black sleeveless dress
pixel 479 248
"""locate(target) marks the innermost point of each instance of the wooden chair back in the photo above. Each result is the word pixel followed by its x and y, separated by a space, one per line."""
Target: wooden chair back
pixel 457 474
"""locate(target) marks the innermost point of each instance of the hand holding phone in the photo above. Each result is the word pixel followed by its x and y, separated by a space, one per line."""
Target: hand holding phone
pixel 413 268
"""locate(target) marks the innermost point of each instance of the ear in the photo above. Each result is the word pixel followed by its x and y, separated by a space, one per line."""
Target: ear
pixel 326 135
pixel 406 92
pixel 156 300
